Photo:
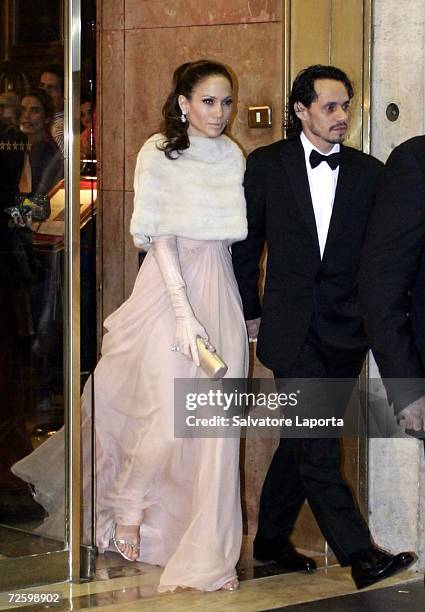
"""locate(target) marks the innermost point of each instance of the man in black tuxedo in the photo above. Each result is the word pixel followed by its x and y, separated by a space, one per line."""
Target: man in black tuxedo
pixel 309 198
pixel 392 282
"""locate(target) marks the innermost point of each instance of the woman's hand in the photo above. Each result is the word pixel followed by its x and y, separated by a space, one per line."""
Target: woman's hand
pixel 188 329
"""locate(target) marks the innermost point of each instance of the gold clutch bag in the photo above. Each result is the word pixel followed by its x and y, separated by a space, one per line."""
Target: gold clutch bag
pixel 211 363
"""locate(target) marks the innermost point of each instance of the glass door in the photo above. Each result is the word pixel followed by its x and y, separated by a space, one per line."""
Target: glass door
pixel 47 245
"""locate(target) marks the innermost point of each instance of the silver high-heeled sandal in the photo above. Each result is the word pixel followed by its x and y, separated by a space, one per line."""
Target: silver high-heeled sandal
pixel 231 585
pixel 117 542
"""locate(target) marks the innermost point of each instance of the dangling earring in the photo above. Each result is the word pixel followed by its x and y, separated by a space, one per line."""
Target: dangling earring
pixel 183 118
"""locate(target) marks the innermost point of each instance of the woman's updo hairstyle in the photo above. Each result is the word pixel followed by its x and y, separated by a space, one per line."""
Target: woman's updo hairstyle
pixel 185 79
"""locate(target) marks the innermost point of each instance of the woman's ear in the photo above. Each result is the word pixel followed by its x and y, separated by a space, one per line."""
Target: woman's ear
pixel 183 103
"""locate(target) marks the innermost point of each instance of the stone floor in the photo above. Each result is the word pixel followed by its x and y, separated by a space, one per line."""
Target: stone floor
pixel 120 585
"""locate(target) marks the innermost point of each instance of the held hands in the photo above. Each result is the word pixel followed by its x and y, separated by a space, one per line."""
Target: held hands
pixel 253 326
pixel 413 416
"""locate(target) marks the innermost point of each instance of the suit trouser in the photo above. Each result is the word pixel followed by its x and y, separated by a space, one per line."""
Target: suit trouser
pixel 310 468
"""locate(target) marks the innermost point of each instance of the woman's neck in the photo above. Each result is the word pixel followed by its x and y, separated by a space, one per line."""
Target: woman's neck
pixel 39 137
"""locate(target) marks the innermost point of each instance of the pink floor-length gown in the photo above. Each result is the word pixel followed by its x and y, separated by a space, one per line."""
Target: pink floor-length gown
pixel 184 492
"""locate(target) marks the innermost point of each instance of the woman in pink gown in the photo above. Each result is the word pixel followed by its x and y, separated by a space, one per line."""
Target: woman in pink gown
pixel 163 500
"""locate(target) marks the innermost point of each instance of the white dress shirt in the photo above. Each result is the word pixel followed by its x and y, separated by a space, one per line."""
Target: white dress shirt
pixel 322 181
pixel 57 130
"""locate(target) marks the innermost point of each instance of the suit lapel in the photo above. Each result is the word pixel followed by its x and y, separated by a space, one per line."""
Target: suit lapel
pixel 344 188
pixel 294 164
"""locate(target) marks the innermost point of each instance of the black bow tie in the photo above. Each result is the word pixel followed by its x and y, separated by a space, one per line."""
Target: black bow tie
pixel 317 158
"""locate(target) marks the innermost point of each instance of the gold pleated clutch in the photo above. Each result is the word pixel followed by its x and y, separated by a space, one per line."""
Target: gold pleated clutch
pixel 211 363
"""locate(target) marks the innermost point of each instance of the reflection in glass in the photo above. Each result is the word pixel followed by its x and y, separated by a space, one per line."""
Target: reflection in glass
pixel 16 329
pixel 32 230
pixel 31 326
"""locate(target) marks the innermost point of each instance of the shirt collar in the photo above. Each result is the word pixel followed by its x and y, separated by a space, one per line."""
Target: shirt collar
pixel 308 147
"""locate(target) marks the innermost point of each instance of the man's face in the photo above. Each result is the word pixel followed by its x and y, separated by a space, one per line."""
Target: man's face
pixel 51 84
pixel 325 122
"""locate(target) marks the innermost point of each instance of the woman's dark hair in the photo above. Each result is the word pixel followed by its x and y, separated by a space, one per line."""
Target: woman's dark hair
pixel 303 91
pixel 44 99
pixel 185 79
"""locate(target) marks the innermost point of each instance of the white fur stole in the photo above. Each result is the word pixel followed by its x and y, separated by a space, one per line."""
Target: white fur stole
pixel 199 195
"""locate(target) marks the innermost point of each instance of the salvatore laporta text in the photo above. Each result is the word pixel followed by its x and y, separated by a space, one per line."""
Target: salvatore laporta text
pixel 251 421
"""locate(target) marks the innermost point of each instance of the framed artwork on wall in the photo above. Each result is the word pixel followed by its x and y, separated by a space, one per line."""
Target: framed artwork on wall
pixel 34 28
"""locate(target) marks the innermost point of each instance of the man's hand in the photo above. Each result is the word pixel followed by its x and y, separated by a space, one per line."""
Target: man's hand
pixel 252 326
pixel 413 416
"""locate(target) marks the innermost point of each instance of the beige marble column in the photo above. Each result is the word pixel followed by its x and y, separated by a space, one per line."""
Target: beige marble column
pixel 396 466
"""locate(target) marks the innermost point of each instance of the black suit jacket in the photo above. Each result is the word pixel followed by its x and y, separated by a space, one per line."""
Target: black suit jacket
pixel 299 284
pixel 393 274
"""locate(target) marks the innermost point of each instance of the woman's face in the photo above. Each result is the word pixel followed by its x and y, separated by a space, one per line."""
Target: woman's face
pixel 33 122
pixel 10 113
pixel 86 114
pixel 209 107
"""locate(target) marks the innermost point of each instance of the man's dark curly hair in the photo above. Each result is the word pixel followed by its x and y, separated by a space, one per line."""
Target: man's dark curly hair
pixel 303 91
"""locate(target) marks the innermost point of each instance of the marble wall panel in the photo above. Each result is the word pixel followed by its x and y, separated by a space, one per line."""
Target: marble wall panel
pixel 110 14
pixel 256 455
pixel 177 13
pixel 254 52
pixel 111 116
pixel 112 255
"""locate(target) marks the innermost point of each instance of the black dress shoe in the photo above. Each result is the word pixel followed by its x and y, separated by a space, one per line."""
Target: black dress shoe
pixel 283 554
pixel 373 565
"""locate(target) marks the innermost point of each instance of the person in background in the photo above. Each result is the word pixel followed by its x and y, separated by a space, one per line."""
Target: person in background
pixel 45 159
pixel 88 132
pixel 9 109
pixel 392 282
pixel 43 169
pixel 52 81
